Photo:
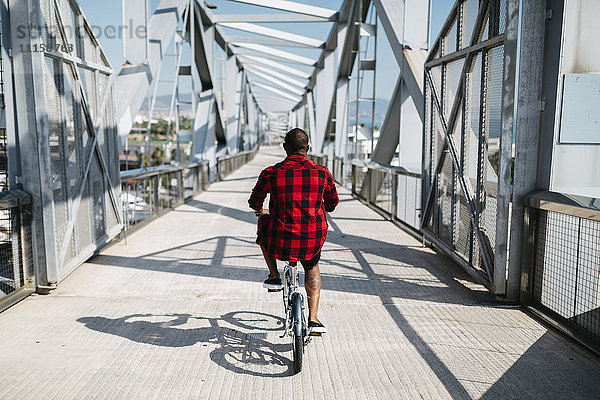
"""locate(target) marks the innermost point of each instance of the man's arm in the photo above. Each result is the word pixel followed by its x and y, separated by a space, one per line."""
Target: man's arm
pixel 259 192
pixel 330 196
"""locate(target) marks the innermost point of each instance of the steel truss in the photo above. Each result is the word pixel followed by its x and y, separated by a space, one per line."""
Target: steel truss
pixel 69 114
pixel 467 141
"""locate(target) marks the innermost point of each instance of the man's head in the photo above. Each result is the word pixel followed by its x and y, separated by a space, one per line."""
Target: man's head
pixel 296 142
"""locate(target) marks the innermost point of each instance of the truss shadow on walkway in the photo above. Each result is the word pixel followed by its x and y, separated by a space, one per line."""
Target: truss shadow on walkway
pixel 184 293
pixel 235 352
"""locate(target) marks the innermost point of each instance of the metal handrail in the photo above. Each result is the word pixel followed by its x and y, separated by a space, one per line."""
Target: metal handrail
pixel 160 169
pixel 578 206
pixel 385 168
pixel 14 198
pixel 241 154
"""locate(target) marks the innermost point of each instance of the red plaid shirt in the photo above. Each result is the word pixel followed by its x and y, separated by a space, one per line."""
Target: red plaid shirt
pixel 301 193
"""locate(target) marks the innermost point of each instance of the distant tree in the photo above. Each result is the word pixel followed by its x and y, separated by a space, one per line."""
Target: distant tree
pixel 157 155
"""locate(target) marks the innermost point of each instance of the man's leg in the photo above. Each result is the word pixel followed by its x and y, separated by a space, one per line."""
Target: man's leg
pixel 312 284
pixel 271 263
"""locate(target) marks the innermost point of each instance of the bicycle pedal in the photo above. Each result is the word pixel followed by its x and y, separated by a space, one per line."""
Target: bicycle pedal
pixel 274 290
pixel 315 334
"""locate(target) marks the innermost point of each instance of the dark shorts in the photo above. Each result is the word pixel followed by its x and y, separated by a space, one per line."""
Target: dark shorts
pixel 308 264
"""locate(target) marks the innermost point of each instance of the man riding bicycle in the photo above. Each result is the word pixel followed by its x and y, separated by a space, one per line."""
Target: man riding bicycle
pixel 295 227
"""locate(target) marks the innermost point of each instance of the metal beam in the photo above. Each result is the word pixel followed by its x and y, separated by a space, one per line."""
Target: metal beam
pixel 267 41
pixel 275 90
pixel 299 90
pixel 291 6
pixel 267 97
pixel 203 145
pixel 255 60
pixel 34 135
pixel 411 59
pixel 277 82
pixel 233 88
pixel 388 140
pixel 341 117
pixel 278 75
pixel 390 129
pixel 505 153
pixel 203 39
pixel 540 52
pixel 133 81
pixel 275 33
pixel 285 18
pixel 274 53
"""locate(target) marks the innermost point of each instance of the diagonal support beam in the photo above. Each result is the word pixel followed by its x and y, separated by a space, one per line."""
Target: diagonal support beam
pixel 410 59
pixel 133 81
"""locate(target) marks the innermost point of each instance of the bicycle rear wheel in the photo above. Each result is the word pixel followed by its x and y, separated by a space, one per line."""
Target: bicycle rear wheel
pixel 298 350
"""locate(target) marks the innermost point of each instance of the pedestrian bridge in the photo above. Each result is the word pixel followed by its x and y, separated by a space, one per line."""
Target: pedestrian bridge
pixel 177 310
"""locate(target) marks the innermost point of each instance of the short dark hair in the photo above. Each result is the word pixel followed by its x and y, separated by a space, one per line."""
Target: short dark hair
pixel 296 139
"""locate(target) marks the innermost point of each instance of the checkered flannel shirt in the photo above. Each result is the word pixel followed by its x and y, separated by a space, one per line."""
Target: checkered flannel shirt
pixel 301 193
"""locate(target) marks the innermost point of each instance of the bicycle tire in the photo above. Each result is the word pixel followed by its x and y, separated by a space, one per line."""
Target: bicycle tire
pixel 298 350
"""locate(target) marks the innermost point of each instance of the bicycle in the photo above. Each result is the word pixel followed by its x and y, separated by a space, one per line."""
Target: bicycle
pixel 295 321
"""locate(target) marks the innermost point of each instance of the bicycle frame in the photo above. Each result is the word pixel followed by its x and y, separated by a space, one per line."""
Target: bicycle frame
pixel 293 302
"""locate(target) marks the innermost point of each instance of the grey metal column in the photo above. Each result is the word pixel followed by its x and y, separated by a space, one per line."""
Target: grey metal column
pixel 505 156
pixel 233 85
pixel 33 137
pixel 539 48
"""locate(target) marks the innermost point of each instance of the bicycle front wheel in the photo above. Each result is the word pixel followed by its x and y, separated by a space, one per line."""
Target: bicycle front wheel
pixel 298 350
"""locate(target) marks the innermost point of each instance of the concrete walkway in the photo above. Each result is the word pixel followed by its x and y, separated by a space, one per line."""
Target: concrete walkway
pixel 166 316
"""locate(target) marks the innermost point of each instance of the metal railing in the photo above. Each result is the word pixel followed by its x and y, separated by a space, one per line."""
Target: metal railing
pixel 16 250
pixel 148 193
pixel 319 159
pixel 561 266
pixel 226 165
pixel 393 190
pixel 338 170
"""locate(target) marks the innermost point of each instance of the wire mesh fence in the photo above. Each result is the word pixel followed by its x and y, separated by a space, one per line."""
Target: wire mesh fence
pixel 226 165
pixel 393 190
pixel 340 173
pixel 565 266
pixel 463 126
pixel 319 159
pixel 148 193
pixel 16 260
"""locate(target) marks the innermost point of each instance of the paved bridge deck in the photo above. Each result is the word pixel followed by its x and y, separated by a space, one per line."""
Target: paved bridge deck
pixel 167 316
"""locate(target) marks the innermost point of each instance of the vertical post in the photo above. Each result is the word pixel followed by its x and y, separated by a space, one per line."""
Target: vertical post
pixel 33 134
pixel 505 156
pixel 357 104
pixel 8 112
pixel 539 45
pixel 374 86
pixel 240 133
pixel 530 216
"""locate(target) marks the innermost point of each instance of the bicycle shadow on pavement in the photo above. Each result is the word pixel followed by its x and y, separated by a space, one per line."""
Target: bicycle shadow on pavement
pixel 233 350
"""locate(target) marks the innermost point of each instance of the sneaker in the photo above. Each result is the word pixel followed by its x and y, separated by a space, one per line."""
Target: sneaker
pixel 316 328
pixel 273 283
